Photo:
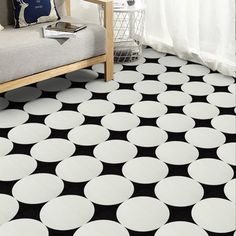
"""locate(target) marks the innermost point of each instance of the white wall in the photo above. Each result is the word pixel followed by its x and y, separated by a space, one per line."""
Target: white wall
pixel 87 12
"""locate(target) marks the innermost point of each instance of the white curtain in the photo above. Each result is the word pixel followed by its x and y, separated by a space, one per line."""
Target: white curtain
pixel 197 30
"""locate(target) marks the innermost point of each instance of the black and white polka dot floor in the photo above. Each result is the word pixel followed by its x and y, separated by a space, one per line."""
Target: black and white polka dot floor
pixel 151 153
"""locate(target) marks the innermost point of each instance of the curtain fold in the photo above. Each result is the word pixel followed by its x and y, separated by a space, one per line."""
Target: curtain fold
pixel 202 31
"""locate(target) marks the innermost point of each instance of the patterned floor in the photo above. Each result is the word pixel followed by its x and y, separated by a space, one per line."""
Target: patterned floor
pixel 151 153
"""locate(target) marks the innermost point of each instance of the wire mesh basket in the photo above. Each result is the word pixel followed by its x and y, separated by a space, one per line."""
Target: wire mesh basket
pixel 128 33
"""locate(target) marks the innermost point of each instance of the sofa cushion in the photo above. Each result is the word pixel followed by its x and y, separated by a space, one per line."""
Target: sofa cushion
pixel 7 16
pixel 28 12
pixel 25 52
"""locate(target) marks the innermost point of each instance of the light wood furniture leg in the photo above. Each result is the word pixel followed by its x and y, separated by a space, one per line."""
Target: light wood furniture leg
pixel 108 23
pixel 68 7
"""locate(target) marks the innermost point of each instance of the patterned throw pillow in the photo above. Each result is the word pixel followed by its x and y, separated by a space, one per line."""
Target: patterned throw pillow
pixel 1 28
pixel 28 12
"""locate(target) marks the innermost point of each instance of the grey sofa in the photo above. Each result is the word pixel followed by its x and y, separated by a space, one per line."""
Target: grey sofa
pixel 27 57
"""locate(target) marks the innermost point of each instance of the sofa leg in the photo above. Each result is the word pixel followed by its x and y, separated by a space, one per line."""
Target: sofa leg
pixel 108 70
pixel 108 23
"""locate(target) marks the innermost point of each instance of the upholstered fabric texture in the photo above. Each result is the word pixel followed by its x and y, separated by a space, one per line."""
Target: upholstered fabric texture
pixel 25 52
pixel 7 16
pixel 29 12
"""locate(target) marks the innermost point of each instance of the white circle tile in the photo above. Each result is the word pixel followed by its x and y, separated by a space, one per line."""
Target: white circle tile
pixel 135 63
pixel 4 103
pixel 24 227
pixel 179 191
pixel 98 188
pixel 23 94
pixel 96 108
pixel 194 70
pixel 210 171
pixel 177 153
pixel 173 78
pixel 63 120
pixel 201 110
pixel 231 88
pixel 5 146
pixel 100 86
pixel 150 87
pixel 37 188
pixel 215 215
pixel 29 133
pixel 196 88
pixel 67 212
pixel 88 135
pixel 42 106
pixel 120 121
pixel 79 169
pixel 145 170
pixel 128 77
pixel 176 123
pixel 151 69
pixel 148 109
pixel 74 95
pixel 225 123
pixel 54 85
pixel 16 166
pixel 99 68
pixel 124 97
pixel 218 79
pixel 147 136
pixel 131 214
pixel 8 208
pixel 230 190
pixel 102 228
pixel 52 150
pixel 180 228
pixel 152 54
pixel 205 137
pixel 83 75
pixel 174 98
pixel 172 61
pixel 221 99
pixel 227 153
pixel 115 151
pixel 12 117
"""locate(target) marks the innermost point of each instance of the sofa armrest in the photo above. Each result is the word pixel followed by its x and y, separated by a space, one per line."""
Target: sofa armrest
pixel 68 7
pixel 108 24
pixel 108 11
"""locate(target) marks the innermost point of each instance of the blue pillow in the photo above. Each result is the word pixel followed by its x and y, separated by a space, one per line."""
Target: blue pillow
pixel 28 12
